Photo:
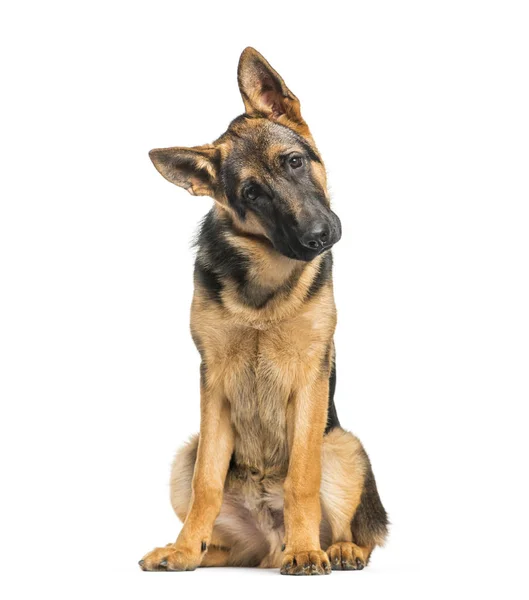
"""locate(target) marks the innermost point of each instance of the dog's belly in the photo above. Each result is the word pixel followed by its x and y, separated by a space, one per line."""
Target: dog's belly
pixel 258 390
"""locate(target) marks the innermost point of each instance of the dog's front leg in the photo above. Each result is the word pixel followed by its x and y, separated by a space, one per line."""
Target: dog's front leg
pixel 306 423
pixel 215 448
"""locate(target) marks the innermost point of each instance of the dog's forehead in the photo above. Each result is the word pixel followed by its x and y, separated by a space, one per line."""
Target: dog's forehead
pixel 257 141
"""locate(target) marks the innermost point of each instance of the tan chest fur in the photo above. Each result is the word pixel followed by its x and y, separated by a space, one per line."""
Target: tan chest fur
pixel 259 366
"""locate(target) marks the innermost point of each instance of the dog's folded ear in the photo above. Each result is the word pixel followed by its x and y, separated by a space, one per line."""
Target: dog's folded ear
pixel 194 169
pixel 263 91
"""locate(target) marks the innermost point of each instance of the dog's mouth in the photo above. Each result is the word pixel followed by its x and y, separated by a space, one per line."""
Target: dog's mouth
pixel 306 255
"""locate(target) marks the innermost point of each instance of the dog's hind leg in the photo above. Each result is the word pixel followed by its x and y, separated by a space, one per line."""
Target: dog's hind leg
pixel 354 517
pixel 216 556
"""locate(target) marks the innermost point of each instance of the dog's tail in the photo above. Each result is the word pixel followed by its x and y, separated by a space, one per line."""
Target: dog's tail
pixel 370 522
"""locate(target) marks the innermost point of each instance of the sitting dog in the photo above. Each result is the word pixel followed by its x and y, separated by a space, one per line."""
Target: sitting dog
pixel 272 480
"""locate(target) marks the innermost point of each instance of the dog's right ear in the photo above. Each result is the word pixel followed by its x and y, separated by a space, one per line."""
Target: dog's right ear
pixel 194 169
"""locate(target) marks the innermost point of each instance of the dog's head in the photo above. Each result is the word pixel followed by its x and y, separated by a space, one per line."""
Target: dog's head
pixel 265 169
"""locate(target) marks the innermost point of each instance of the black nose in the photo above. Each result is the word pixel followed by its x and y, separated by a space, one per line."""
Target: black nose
pixel 316 237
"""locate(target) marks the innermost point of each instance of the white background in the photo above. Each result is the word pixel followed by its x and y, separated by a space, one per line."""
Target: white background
pixel 421 112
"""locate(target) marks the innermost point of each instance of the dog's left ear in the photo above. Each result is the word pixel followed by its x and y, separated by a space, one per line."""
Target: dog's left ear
pixel 263 91
pixel 194 169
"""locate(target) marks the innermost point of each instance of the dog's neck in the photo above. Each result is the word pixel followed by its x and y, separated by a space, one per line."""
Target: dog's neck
pixel 256 271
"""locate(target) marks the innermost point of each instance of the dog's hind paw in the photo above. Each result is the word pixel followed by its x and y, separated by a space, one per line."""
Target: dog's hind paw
pixel 314 562
pixel 346 556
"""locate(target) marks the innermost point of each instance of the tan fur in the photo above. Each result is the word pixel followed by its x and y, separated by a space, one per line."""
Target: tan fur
pixel 249 526
pixel 262 485
pixel 344 461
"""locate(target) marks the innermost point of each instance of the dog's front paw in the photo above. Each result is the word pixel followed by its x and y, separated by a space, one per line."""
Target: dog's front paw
pixel 346 556
pixel 172 557
pixel 312 562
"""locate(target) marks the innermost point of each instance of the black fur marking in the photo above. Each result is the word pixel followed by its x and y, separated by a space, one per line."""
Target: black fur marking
pixel 230 186
pixel 257 300
pixel 332 415
pixel 370 523
pixel 217 258
pixel 203 372
pixel 203 547
pixel 209 281
pixel 324 274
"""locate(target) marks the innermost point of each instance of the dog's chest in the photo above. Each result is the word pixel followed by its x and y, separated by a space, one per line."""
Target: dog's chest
pixel 258 382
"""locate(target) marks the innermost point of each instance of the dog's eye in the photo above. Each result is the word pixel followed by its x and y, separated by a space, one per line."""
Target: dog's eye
pixel 295 162
pixel 251 192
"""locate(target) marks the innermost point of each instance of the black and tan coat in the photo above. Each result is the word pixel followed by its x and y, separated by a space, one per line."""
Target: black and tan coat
pixel 272 480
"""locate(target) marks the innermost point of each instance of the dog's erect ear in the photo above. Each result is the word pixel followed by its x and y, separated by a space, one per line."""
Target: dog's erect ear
pixel 263 90
pixel 194 169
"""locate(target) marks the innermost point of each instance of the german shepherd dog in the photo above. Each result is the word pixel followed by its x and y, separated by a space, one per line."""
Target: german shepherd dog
pixel 272 480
